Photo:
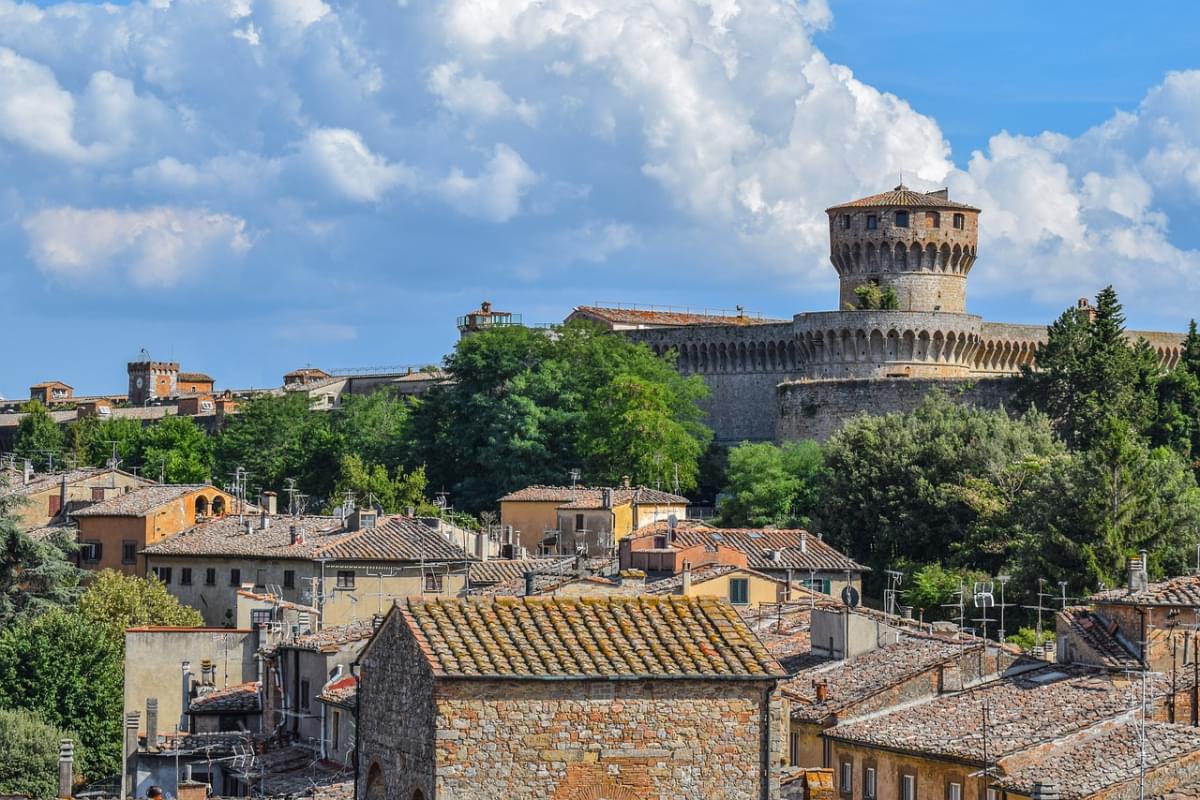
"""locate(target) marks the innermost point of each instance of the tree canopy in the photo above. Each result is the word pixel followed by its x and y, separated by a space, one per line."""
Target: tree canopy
pixel 35 575
pixel 38 438
pixel 29 754
pixel 114 601
pixel 772 484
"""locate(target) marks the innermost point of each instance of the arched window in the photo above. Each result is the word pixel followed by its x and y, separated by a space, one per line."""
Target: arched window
pixel 901 219
pixel 201 507
pixel 960 221
pixel 218 506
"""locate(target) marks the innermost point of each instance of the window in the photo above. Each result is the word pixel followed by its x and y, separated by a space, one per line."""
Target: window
pixel 933 219
pixel 345 579
pixel 235 577
pixel 869 783
pixel 185 576
pixel 433 582
pixel 128 552
pixel 210 577
pixel 953 791
pixel 660 543
pixel 908 787
pixel 872 222
pixel 793 748
pixel 163 574
pixel 260 577
pixel 739 591
pixel 846 784
pixel 960 221
pixel 337 725
pixel 846 221
pixel 579 522
pixel 97 494
pixel 259 617
pixel 304 691
pixel 901 219
pixel 289 579
pixel 91 551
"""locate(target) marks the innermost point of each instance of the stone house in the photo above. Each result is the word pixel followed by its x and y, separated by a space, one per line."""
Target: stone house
pixel 346 569
pixel 548 520
pixel 112 532
pixel 50 497
pixel 567 698
pixel 792 556
pixel 49 393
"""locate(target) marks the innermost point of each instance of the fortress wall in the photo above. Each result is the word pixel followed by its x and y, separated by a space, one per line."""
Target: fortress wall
pixel 816 409
pixel 915 290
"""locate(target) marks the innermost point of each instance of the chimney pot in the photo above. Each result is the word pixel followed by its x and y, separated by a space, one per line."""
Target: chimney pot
pixel 803 542
pixel 28 475
pixel 66 767
pixel 822 690
pixel 687 577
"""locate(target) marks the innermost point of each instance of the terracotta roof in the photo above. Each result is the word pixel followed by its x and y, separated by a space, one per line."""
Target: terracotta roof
pixel 139 501
pixel 497 570
pixel 211 743
pixel 193 377
pixel 1098 635
pixel 634 316
pixel 45 533
pixel 592 496
pixel 861 677
pixel 1025 709
pixel 903 197
pixel 590 637
pixel 243 698
pixel 798 549
pixel 1183 591
pixel 394 538
pixel 42 481
pixel 1100 757
pixel 701 574
pixel 342 692
pixel 333 637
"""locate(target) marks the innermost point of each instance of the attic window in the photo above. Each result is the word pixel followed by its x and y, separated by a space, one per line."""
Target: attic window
pixel 660 542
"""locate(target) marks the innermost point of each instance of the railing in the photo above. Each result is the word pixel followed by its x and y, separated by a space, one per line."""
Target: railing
pixel 705 311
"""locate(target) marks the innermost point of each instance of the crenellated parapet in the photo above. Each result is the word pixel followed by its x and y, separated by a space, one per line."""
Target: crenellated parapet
pixel 886 344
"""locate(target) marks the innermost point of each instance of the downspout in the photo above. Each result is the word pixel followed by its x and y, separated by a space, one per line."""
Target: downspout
pixel 321 597
pixel 766 723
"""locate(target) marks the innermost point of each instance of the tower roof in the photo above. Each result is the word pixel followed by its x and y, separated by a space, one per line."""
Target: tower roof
pixel 903 196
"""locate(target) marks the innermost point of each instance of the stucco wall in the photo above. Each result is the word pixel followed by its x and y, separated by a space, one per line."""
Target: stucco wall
pixel 529 520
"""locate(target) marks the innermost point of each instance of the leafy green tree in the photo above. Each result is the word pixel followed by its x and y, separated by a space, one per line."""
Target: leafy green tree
pixel 57 666
pixel 34 575
pixel 369 484
pixel 176 450
pixel 93 439
pixel 29 754
pixel 772 485
pixel 114 602
pixel 1027 638
pixel 374 427
pixel 933 589
pixel 412 491
pixel 38 436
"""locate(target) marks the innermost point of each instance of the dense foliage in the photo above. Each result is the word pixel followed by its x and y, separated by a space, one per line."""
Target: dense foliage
pixel 34 575
pixel 29 754
pixel 114 602
pixel 38 439
pixel 772 485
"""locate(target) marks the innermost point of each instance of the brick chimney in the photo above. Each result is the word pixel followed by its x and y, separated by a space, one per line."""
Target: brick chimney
pixel 821 688
pixel 129 776
pixel 152 723
pixel 66 767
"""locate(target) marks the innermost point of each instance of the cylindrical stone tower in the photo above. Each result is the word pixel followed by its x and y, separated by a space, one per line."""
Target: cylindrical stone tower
pixel 919 244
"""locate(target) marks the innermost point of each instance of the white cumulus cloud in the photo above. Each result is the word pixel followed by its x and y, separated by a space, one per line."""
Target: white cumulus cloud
pixel 350 168
pixel 494 194
pixel 475 95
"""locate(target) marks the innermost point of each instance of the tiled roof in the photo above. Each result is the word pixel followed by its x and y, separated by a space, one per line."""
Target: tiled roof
pixel 211 743
pixel 1183 591
pixel 496 570
pixel 904 197
pixel 590 637
pixel 342 692
pixel 1100 757
pixel 584 497
pixel 701 574
pixel 798 549
pixel 45 533
pixel 861 677
pixel 48 384
pixel 43 481
pixel 635 316
pixel 1023 710
pixel 1092 631
pixel 193 377
pixel 334 637
pixel 240 699
pixel 139 501
pixel 393 539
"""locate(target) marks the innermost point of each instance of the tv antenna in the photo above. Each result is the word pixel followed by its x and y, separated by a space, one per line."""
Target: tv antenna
pixel 894 578
pixel 1040 608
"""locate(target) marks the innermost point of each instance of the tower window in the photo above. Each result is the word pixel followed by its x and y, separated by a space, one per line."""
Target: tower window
pixel 901 219
pixel 846 221
pixel 960 221
pixel 872 222
pixel 933 219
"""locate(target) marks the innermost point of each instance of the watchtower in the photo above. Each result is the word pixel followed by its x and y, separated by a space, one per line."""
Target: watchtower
pixel 920 244
pixel 151 380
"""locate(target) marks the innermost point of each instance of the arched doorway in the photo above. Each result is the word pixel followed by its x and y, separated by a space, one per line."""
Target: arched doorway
pixel 201 507
pixel 375 787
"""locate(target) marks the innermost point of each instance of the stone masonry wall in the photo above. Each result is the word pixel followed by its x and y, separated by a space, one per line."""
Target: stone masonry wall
pixel 572 740
pixel 816 409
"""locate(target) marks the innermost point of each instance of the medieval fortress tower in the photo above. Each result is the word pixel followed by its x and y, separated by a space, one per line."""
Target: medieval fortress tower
pixel 902 329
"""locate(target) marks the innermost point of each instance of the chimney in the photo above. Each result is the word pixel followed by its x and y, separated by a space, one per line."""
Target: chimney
pixel 1138 582
pixel 804 541
pixel 776 556
pixel 687 577
pixel 28 471
pixel 625 481
pixel 1045 791
pixel 152 723
pixel 247 526
pixel 822 690
pixel 297 536
pixel 264 520
pixel 129 776
pixel 186 697
pixel 66 767
pixel 941 194
pixel 633 581
pixel 607 497
pixel 529 576
pixel 361 518
pixel 208 673
pixel 269 503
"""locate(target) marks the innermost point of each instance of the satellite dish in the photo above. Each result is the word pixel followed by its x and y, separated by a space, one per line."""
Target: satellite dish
pixel 672 520
pixel 850 597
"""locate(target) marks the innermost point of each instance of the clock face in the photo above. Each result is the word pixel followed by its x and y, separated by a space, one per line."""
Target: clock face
pixel 139 382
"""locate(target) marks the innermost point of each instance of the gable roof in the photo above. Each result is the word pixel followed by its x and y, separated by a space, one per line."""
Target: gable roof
pixel 42 481
pixel 798 549
pixel 396 538
pixel 1099 638
pixel 140 501
pixel 585 497
pixel 1182 592
pixel 538 638
pixel 702 574
pixel 903 197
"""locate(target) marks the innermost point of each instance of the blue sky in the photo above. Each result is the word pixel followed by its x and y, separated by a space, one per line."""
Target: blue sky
pixel 248 186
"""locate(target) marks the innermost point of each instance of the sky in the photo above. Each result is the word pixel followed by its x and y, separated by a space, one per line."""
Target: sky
pixel 251 186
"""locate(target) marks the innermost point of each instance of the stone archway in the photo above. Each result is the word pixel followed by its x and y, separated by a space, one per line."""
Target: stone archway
pixel 375 788
pixel 605 790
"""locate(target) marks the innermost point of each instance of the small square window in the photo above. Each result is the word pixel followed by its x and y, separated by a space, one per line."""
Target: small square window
pixel 210 577
pixel 960 221
pixel 901 219
pixel 908 787
pixel 739 591
pixel 260 617
pixel 235 577
pixel 185 576
pixel 579 522
pixel 933 219
pixel 345 579
pixel 433 582
pixel 872 222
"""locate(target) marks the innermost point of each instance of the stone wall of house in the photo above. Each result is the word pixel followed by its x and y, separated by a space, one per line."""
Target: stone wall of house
pixel 650 740
pixel 396 720
pixel 816 409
